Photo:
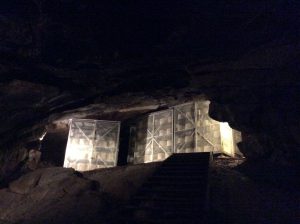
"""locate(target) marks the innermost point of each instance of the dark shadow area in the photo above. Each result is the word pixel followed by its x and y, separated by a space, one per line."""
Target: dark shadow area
pixel 123 144
pixel 276 175
pixel 54 147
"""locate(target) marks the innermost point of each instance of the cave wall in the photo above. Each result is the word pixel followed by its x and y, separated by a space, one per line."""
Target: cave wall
pixel 269 125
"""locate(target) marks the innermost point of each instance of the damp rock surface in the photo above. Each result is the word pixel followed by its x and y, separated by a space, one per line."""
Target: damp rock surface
pixel 52 195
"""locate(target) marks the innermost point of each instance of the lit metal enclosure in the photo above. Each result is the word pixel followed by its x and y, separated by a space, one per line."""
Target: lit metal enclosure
pixel 208 138
pixel 194 130
pixel 152 138
pixel 92 144
pixel 185 128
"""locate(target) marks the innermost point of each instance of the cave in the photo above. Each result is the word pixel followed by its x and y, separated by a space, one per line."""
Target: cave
pixel 165 83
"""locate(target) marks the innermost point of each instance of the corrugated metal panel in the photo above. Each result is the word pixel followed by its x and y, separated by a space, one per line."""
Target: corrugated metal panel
pixel 185 126
pixel 191 128
pixel 208 130
pixel 162 135
pixel 92 144
pixel 152 138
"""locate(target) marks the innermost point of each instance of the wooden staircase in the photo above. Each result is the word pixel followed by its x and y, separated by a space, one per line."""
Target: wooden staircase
pixel 176 193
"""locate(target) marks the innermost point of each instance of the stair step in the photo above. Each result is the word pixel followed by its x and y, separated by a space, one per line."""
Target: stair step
pixel 178 178
pixel 159 181
pixel 166 196
pixel 167 214
pixel 181 163
pixel 176 220
pixel 183 166
pixel 168 207
pixel 171 204
pixel 169 194
pixel 164 220
pixel 182 171
pixel 186 158
pixel 173 189
pixel 143 198
pixel 168 211
pixel 176 192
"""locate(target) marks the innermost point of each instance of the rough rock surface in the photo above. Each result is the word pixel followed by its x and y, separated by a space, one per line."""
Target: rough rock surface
pixel 53 195
pixel 122 182
pixel 61 195
pixel 236 198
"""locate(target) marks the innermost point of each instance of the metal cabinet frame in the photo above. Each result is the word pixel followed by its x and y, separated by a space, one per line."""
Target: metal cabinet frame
pixel 93 142
pixel 195 129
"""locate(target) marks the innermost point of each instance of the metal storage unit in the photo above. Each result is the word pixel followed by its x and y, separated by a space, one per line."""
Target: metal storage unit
pixel 184 128
pixel 194 130
pixel 152 138
pixel 208 138
pixel 92 144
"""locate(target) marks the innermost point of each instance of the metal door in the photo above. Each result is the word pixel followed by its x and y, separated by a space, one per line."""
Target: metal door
pixel 184 128
pixel 208 130
pixel 152 138
pixel 162 135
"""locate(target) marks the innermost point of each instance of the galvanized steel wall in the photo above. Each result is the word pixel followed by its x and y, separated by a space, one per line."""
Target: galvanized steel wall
pixel 184 128
pixel 92 144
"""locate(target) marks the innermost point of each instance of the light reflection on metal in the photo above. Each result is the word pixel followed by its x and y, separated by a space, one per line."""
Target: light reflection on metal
pixel 184 128
pixel 190 130
pixel 153 138
pixel 227 138
pixel 92 144
pixel 208 137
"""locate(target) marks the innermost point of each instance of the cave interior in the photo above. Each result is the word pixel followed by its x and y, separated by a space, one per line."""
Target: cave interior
pixel 64 61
